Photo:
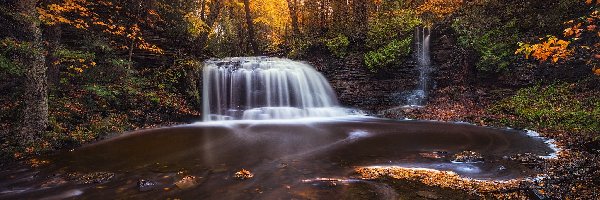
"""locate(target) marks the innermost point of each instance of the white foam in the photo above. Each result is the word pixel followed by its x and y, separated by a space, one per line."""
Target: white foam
pixel 358 134
pixel 550 142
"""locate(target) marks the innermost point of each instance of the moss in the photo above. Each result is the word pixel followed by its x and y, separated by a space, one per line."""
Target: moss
pixel 557 106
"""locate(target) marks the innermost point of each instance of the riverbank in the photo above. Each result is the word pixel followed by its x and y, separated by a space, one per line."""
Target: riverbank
pixel 560 102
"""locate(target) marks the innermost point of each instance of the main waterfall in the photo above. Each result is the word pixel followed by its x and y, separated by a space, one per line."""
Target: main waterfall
pixel 259 88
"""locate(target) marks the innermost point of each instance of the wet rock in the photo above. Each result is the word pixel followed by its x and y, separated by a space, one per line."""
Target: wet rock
pixel 467 157
pixel 434 155
pixel 281 165
pixel 187 182
pixel 536 194
pixel 501 168
pixel 54 182
pixel 146 185
pixel 428 194
pixel 94 177
pixel 527 159
pixel 243 174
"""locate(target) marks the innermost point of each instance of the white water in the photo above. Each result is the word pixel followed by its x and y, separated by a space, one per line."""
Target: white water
pixel 418 96
pixel 262 88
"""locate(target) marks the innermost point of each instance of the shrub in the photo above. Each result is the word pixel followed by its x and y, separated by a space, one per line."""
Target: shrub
pixel 338 45
pixel 387 55
pixel 8 67
pixel 390 26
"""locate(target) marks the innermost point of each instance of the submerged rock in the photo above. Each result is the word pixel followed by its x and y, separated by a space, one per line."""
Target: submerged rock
pixel 146 185
pixel 527 159
pixel 187 182
pixel 467 157
pixel 243 174
pixel 94 177
pixel 434 155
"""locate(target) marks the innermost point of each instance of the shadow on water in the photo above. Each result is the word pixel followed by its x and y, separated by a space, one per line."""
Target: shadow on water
pixel 289 159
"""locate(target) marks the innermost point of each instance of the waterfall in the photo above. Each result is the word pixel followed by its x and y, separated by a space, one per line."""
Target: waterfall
pixel 259 88
pixel 418 96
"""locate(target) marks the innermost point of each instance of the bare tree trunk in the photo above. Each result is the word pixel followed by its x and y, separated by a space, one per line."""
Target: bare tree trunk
pixel 361 18
pixel 215 8
pixel 53 34
pixel 202 9
pixel 293 7
pixel 131 47
pixel 35 113
pixel 250 24
pixel 340 13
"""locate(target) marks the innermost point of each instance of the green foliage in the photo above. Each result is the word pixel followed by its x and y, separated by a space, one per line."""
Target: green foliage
pixel 555 106
pixel 298 48
pixel 492 28
pixel 392 25
pixel 8 67
pixel 121 63
pixel 495 46
pixel 12 55
pixel 102 91
pixel 387 55
pixel 68 54
pixel 195 25
pixel 338 45
pixel 390 37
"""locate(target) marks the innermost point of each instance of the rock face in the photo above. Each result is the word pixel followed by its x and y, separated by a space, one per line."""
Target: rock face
pixel 358 87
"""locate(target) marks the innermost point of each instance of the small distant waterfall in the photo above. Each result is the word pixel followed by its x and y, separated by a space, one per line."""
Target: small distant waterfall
pixel 418 96
pixel 259 88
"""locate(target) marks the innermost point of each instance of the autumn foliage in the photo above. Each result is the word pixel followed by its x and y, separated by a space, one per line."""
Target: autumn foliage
pixel 118 23
pixel 552 48
pixel 581 35
pixel 439 9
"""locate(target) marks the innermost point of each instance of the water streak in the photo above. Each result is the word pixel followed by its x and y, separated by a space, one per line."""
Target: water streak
pixel 418 96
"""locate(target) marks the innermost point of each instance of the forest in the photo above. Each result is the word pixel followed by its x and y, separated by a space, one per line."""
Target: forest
pixel 76 72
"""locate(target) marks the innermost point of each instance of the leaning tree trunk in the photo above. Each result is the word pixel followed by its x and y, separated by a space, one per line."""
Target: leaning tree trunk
pixel 250 24
pixel 35 113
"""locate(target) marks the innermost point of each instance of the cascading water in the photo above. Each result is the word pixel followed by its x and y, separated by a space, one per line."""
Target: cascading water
pixel 418 96
pixel 259 88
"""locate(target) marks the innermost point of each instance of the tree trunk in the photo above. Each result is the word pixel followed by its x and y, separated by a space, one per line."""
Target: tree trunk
pixel 53 34
pixel 215 8
pixel 293 7
pixel 361 18
pixel 35 113
pixel 203 9
pixel 250 24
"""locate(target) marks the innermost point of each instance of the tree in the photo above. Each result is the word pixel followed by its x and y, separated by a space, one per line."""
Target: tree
pixel 433 10
pixel 250 25
pixel 35 113
pixel 121 21
pixel 582 35
pixel 293 6
pixel 361 18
